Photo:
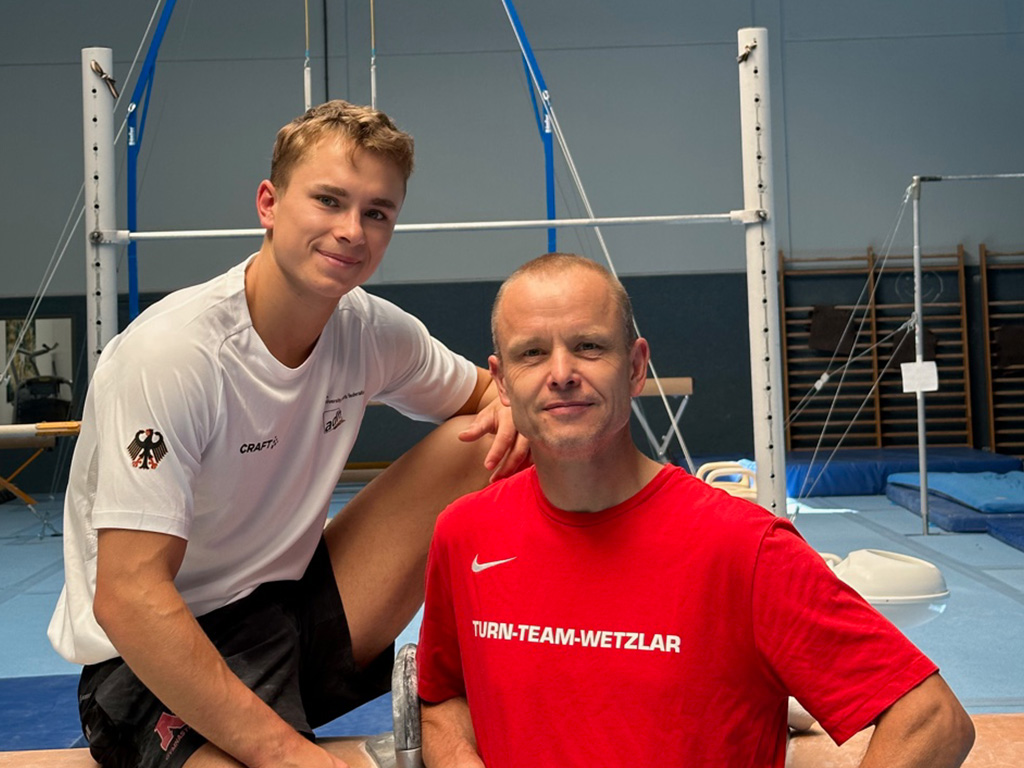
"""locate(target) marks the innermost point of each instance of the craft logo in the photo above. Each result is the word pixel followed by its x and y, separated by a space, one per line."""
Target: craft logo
pixel 332 419
pixel 147 449
pixel 266 445
pixel 170 729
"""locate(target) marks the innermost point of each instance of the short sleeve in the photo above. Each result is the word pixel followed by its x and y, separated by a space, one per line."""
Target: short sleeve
pixel 151 410
pixel 419 376
pixel 826 645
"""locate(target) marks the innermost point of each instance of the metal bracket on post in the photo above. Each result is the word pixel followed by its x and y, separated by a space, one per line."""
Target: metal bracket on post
pixel 100 186
pixel 110 236
pixel 748 217
pixel 762 270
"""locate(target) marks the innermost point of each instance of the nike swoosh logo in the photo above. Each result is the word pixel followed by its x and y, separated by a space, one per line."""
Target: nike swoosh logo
pixel 478 566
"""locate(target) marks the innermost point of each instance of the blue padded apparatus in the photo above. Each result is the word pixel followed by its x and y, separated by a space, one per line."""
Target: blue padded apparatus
pixel 863 471
pixel 990 492
pixel 1008 531
pixel 964 502
pixel 945 513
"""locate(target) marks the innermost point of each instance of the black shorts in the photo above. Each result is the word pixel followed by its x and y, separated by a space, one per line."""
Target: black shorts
pixel 288 641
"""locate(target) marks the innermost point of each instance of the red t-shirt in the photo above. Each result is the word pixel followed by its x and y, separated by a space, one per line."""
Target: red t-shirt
pixel 667 630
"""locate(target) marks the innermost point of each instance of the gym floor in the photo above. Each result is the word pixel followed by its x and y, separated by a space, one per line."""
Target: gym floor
pixel 976 641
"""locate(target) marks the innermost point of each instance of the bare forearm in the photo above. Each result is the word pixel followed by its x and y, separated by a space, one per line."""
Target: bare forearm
pixel 927 728
pixel 448 738
pixel 163 644
pixel 483 393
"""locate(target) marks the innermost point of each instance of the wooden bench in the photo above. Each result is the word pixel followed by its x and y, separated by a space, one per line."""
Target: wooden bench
pixel 39 436
pixel 999 744
pixel 353 750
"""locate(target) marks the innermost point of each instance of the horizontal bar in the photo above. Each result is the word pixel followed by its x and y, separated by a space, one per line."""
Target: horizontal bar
pixel 733 217
pixel 123 236
pixel 972 177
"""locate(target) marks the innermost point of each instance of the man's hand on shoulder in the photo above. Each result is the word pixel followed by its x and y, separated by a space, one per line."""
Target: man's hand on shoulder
pixel 510 451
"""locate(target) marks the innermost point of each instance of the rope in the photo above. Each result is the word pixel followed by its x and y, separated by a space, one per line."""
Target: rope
pixel 307 30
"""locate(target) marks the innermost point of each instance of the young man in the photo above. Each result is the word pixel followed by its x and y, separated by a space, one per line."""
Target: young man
pixel 601 609
pixel 217 619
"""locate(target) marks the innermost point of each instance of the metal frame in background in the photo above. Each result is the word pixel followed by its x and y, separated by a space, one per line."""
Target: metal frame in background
pixel 757 217
pixel 922 441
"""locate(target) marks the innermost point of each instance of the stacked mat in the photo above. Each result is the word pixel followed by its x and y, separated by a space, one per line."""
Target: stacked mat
pixel 864 471
pixel 983 502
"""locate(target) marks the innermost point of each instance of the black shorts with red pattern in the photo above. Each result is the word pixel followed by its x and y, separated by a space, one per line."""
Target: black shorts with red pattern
pixel 288 641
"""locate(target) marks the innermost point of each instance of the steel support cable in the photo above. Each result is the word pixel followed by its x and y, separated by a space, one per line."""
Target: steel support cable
pixel 914 318
pixel 48 275
pixel 64 239
pixel 68 232
pixel 887 247
pixel 827 376
pixel 849 426
pixel 828 418
pixel 556 130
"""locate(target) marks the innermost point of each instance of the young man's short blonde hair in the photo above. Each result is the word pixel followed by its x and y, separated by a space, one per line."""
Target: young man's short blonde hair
pixel 557 263
pixel 366 128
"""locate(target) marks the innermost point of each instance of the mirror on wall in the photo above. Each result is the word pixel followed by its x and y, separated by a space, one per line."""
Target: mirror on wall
pixel 37 385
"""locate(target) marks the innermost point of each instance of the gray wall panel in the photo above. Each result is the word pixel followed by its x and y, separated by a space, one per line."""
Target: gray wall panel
pixel 810 19
pixel 882 111
pixel 863 97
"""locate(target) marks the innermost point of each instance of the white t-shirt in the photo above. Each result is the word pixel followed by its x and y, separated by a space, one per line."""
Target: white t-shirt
pixel 192 428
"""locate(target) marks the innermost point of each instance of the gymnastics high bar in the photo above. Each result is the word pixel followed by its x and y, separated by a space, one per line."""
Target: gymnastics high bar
pixel 756 217
pixel 922 443
pixel 123 236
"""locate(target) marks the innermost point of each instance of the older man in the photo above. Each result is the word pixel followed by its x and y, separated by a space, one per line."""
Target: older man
pixel 603 609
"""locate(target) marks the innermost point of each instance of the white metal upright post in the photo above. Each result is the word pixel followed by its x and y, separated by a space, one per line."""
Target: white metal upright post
pixel 922 442
pixel 100 210
pixel 762 270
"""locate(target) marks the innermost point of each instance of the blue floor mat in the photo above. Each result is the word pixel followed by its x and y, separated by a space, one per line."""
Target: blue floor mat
pixel 994 493
pixel 863 471
pixel 958 515
pixel 42 713
pixel 1008 531
pixel 947 514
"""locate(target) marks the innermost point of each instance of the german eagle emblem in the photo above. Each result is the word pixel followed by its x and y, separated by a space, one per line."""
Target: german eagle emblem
pixel 147 449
